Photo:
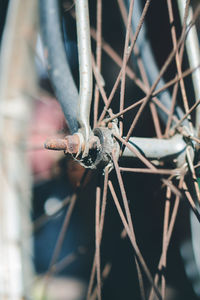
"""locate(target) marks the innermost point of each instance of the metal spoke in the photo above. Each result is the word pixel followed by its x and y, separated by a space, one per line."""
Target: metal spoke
pixel 97 233
pixel 132 239
pixel 66 261
pixel 123 193
pixel 141 66
pixel 103 209
pixel 156 121
pixel 191 201
pixel 43 219
pixel 169 234
pixel 171 186
pixel 164 245
pixel 125 110
pixel 63 231
pixel 98 81
pixel 117 59
pixel 169 121
pixel 175 80
pixel 136 152
pixel 125 56
pixel 154 99
pixel 124 15
pixel 177 56
pixel 128 215
pixel 194 177
pixel 187 135
pixel 187 114
pixel 151 171
pixel 59 242
pixel 140 280
pixel 162 71
pixel 104 275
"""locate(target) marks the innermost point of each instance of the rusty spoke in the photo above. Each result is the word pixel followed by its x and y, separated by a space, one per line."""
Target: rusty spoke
pixel 99 83
pixel 164 245
pixel 151 171
pixel 156 121
pixel 192 170
pixel 187 135
pixel 126 59
pixel 125 56
pixel 141 66
pixel 104 275
pixel 175 80
pixel 102 216
pixel 43 219
pixel 59 243
pixel 162 71
pixel 136 152
pixel 124 15
pixel 187 114
pixel 177 56
pixel 169 234
pixel 132 240
pixel 154 99
pixel 97 233
pixel 191 201
pixel 63 231
pixel 117 59
pixel 169 121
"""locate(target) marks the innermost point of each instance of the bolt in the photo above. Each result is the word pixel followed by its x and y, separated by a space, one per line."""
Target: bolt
pixel 56 144
pixel 73 143
pixel 70 144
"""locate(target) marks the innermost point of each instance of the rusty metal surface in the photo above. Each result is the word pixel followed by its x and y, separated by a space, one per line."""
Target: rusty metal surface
pixel 70 144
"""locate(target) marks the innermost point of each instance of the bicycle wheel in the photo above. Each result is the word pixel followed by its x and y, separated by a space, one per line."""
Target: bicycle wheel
pixel 167 103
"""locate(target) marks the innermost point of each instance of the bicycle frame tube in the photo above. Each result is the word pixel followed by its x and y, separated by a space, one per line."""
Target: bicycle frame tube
pixel 58 67
pixel 85 65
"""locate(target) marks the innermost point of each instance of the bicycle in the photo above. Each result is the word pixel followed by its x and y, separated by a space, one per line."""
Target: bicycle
pixel 173 154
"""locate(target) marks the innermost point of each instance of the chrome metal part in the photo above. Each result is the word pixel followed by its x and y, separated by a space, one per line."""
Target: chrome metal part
pixel 159 149
pixel 85 65
pixel 192 47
